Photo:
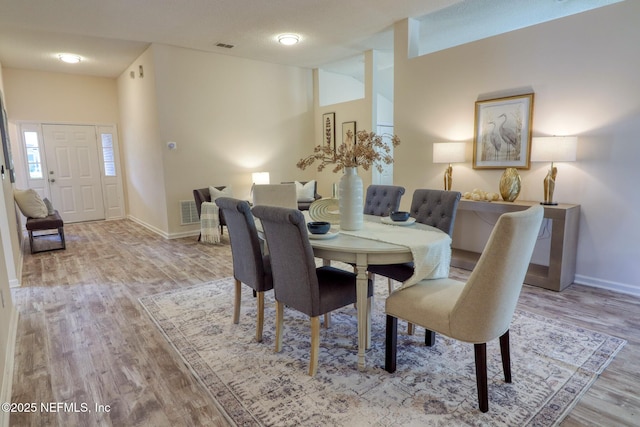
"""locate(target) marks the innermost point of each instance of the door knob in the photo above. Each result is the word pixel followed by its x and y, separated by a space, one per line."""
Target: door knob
pixel 52 180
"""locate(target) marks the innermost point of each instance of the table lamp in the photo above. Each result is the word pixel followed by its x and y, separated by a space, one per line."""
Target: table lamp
pixel 553 149
pixel 448 152
pixel 259 178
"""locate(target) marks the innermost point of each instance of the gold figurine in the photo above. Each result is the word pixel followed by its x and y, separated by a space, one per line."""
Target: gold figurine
pixel 448 178
pixel 549 185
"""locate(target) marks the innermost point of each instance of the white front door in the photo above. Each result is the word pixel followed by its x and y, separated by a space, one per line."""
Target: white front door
pixel 73 171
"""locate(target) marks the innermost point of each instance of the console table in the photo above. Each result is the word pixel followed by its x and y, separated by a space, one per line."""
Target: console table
pixel 564 242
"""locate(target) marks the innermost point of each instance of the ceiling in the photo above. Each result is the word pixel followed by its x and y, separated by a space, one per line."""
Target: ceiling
pixel 111 34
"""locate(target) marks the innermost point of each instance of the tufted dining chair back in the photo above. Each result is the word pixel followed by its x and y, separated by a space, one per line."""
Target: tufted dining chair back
pixel 250 266
pixel 436 208
pixel 381 200
pixel 297 283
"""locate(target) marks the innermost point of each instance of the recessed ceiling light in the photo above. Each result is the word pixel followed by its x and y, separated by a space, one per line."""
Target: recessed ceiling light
pixel 69 58
pixel 288 39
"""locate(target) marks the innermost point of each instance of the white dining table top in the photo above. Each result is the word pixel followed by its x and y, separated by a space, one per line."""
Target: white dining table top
pixel 357 244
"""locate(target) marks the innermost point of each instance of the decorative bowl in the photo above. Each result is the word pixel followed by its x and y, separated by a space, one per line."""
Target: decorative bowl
pixel 318 227
pixel 399 216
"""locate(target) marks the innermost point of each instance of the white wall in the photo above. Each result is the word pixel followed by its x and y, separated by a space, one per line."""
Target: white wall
pixel 337 88
pixel 8 314
pixel 141 146
pixel 40 96
pixel 583 70
pixel 228 116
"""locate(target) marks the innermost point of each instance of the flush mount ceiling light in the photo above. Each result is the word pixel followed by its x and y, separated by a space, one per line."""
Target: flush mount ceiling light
pixel 69 58
pixel 288 39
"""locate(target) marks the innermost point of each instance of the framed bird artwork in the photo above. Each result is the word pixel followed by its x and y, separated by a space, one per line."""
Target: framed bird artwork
pixel 503 132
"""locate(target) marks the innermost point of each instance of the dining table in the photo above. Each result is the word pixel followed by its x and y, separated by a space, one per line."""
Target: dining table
pixel 382 242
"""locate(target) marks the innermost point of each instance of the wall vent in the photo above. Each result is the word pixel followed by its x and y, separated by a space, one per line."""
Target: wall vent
pixel 188 212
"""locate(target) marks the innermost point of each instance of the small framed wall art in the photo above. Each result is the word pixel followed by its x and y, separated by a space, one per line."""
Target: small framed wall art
pixel 329 130
pixel 503 133
pixel 348 132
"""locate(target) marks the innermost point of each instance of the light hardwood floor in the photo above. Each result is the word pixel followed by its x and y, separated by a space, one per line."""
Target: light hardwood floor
pixel 83 336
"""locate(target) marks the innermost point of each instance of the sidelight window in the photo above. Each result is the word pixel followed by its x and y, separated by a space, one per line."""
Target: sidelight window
pixel 34 159
pixel 108 155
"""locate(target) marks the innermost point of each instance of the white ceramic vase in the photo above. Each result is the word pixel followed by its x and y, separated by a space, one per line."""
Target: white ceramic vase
pixel 350 200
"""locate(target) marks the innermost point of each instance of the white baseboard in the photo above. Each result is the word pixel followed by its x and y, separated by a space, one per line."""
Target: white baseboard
pixel 184 234
pixel 163 233
pixel 148 226
pixel 606 284
pixel 7 373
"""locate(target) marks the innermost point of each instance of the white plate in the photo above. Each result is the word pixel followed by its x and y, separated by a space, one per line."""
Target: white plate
pixel 329 235
pixel 387 220
pixel 325 210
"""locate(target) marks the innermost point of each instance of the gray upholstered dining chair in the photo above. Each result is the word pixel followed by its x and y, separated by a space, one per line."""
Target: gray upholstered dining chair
pixel 250 266
pixel 297 283
pixel 381 200
pixel 479 310
pixel 436 208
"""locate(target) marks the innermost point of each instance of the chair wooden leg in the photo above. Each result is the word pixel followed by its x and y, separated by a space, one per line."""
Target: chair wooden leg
pixel 368 328
pixel 410 328
pixel 260 319
pixel 315 345
pixel 327 320
pixel 506 356
pixel 429 338
pixel 391 344
pixel 480 351
pixel 236 303
pixel 279 321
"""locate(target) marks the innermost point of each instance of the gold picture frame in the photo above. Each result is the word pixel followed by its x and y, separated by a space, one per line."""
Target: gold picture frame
pixel 503 133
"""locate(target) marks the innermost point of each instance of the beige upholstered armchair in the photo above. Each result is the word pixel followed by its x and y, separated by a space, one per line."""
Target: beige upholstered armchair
pixel 283 195
pixel 479 310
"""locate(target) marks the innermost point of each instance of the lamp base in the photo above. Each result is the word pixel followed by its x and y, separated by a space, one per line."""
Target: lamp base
pixel 549 203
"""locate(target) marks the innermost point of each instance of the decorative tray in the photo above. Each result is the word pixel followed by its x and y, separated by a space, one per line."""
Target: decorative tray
pixel 325 210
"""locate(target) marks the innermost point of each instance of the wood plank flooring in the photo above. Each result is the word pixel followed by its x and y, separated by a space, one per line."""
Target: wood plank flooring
pixel 83 336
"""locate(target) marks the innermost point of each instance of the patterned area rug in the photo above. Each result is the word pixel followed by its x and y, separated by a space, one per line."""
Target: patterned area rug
pixel 553 364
